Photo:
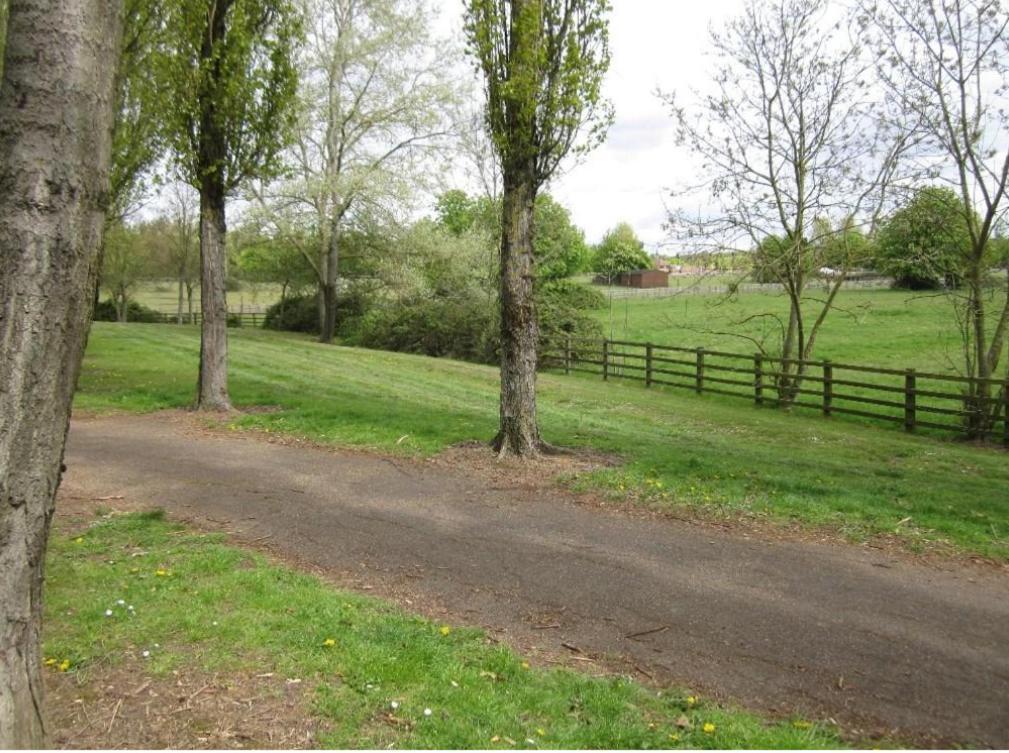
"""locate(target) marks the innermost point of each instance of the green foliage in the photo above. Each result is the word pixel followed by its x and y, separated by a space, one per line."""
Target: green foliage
pixel 106 311
pixel 298 313
pixel 620 251
pixel 559 246
pixel 456 211
pixel 925 244
pixel 230 85
pixel 543 64
pixel 275 261
pixel 138 137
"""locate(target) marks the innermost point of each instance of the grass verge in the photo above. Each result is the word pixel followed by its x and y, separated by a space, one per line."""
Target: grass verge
pixel 703 454
pixel 135 583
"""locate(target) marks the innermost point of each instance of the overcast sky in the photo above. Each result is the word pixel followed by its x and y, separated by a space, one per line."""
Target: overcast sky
pixel 655 44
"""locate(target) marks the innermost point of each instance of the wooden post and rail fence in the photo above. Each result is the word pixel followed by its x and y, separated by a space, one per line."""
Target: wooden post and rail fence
pixel 905 397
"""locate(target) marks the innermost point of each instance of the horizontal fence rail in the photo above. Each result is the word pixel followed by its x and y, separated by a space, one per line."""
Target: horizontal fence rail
pixel 912 399
pixel 235 319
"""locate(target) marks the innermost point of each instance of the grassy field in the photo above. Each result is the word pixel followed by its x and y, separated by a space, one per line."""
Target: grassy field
pixel 164 296
pixel 701 454
pixel 379 677
pixel 872 327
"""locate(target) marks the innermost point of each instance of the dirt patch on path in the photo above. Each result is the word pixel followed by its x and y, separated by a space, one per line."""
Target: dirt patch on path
pixel 881 645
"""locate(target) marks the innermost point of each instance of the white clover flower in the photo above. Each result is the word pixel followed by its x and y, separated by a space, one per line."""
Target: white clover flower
pixel 146 654
pixel 394 705
pixel 427 712
pixel 108 612
pixel 121 602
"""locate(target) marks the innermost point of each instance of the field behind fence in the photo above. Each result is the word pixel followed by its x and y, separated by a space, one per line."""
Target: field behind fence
pixel 909 398
pixel 905 397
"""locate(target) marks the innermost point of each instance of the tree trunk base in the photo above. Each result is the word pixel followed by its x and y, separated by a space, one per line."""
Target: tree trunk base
pixel 526 447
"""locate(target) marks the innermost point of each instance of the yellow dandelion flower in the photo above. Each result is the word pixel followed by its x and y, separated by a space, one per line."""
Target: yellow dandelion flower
pixel 329 642
pixel 691 700
pixel 674 737
pixel 50 662
pixel 64 665
pixel 162 573
pixel 525 665
pixel 79 540
pixel 708 728
pixel 801 724
pixel 540 731
pixel 444 630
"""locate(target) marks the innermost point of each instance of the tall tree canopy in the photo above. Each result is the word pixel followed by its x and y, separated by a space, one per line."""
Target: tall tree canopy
pixel 231 84
pixel 543 63
pixel 376 92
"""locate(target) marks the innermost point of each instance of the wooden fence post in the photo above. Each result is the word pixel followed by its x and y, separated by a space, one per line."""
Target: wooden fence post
pixel 758 378
pixel 828 387
pixel 567 354
pixel 1005 413
pixel 648 365
pixel 910 400
pixel 606 360
pixel 700 371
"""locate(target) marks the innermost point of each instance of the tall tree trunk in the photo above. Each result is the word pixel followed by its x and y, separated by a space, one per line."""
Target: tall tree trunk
pixel 178 316
pixel 519 431
pixel 56 110
pixel 979 408
pixel 329 287
pixel 213 386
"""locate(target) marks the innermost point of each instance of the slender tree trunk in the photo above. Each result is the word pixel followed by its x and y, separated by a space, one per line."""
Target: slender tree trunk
pixel 213 385
pixel 189 301
pixel 56 110
pixel 979 398
pixel 519 431
pixel 329 287
pixel 121 306
pixel 178 316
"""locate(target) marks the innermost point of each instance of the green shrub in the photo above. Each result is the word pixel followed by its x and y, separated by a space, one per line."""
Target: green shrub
pixel 462 328
pixel 300 313
pixel 105 311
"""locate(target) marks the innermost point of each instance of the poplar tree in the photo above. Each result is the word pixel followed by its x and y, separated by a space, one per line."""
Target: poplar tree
pixel 543 63
pixel 229 112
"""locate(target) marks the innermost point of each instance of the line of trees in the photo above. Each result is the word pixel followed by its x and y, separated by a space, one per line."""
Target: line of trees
pixel 233 94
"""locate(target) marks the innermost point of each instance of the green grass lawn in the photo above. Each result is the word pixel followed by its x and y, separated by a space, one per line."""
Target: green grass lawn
pixel 711 456
pixel 871 327
pixel 163 296
pixel 380 677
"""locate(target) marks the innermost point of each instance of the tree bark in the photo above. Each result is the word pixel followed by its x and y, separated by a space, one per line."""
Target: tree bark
pixel 178 316
pixel 56 112
pixel 213 386
pixel 329 287
pixel 519 432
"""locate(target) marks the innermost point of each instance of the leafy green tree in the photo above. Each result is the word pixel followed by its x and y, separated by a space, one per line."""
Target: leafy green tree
pixel 132 255
pixel 925 244
pixel 230 85
pixel 376 95
pixel 543 63
pixel 559 248
pixel 620 251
